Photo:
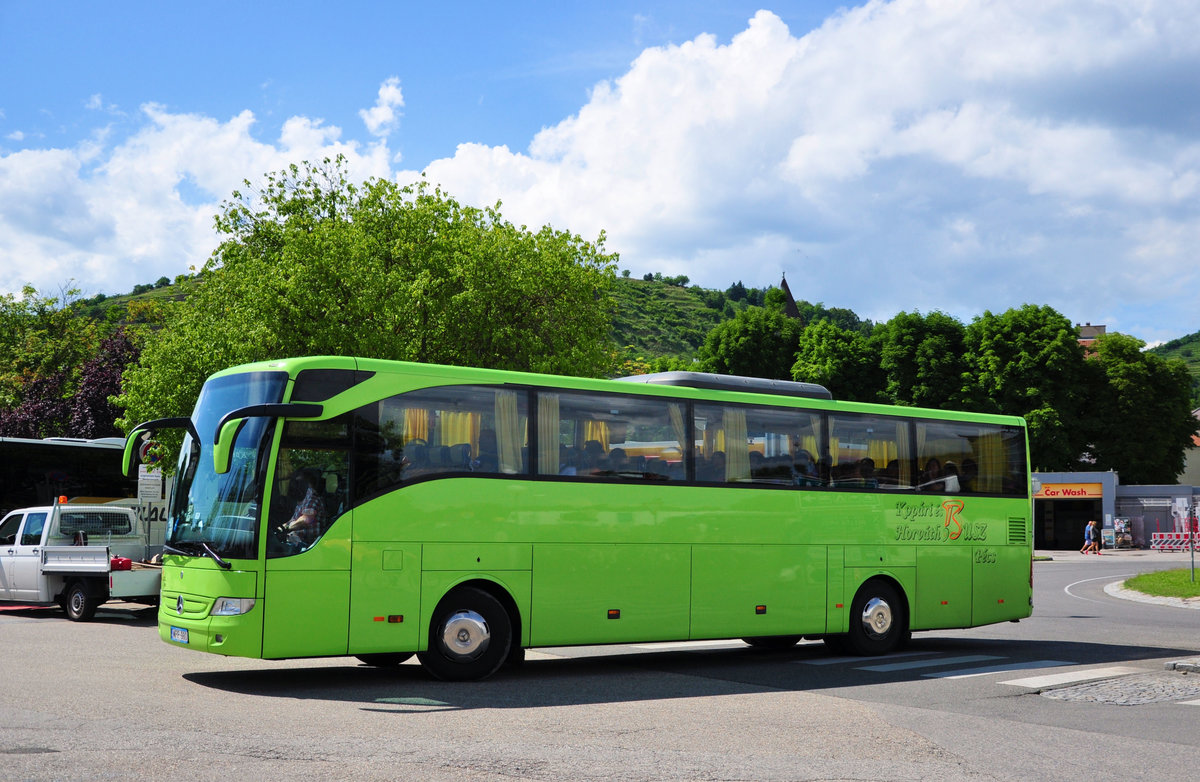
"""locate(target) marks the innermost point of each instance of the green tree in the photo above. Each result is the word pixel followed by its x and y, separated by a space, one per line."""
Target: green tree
pixel 756 342
pixel 40 338
pixel 846 362
pixel 315 265
pixel 922 357
pixel 1141 409
pixel 1028 362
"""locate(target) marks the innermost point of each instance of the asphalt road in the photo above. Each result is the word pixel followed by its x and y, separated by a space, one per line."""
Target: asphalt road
pixel 107 700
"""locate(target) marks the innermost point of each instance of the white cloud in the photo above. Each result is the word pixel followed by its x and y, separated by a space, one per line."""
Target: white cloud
pixel 915 154
pixel 381 118
pixel 989 141
pixel 114 216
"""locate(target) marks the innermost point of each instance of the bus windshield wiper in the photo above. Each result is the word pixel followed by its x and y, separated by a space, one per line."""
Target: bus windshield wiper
pixel 203 548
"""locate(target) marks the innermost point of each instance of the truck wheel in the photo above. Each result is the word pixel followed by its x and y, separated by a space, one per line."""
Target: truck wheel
pixel 470 636
pixel 79 603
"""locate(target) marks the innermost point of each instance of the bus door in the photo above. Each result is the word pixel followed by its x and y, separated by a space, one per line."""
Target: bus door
pixel 307 579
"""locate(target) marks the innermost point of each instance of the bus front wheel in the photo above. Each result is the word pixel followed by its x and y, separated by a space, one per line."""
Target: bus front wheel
pixel 878 620
pixel 470 636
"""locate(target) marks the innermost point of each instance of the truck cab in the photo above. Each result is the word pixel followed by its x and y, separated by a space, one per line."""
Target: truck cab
pixel 64 554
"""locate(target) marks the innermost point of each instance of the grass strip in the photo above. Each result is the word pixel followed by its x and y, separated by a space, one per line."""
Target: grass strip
pixel 1166 583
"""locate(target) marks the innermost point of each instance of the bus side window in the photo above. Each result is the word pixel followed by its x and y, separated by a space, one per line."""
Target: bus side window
pixel 610 436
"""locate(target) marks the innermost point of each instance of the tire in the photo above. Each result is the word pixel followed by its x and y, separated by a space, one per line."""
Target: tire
pixel 772 641
pixel 79 603
pixel 878 620
pixel 470 636
pixel 384 659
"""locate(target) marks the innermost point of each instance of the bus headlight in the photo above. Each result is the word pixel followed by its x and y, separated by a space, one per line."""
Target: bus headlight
pixel 231 606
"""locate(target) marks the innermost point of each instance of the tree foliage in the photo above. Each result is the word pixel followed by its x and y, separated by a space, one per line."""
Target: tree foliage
pixel 756 342
pixel 922 358
pixel 1144 405
pixel 313 264
pixel 846 362
pixel 1028 362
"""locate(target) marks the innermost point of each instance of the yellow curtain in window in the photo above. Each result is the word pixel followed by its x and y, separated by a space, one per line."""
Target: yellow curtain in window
pixel 460 428
pixel 508 432
pixel 416 424
pixel 548 425
pixel 677 427
pixel 737 449
pixel 881 452
pixel 991 464
pixel 598 431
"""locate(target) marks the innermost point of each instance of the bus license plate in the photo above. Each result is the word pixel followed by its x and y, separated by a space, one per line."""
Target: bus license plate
pixel 179 634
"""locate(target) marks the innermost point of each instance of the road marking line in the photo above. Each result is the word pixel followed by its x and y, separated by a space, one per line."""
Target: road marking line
pixel 1067 588
pixel 1072 677
pixel 970 672
pixel 938 662
pixel 1189 703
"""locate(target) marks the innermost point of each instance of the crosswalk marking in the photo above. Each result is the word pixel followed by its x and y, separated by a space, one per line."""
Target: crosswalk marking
pixel 990 669
pixel 1071 677
pixel 838 660
pixel 934 663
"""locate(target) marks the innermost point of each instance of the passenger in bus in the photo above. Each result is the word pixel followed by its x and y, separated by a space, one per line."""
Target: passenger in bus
pixel 310 517
pixel 715 469
pixel 806 469
pixel 618 462
pixel 590 459
pixel 866 473
pixel 950 479
pixel 931 476
pixel 567 461
pixel 488 459
pixel 968 474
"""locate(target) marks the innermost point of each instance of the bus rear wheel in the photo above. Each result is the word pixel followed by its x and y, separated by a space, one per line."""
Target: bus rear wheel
pixel 878 620
pixel 470 636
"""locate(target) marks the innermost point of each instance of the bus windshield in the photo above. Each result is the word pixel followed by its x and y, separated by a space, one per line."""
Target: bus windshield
pixel 221 511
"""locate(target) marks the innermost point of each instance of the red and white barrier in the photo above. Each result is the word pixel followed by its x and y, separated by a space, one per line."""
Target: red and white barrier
pixel 1172 541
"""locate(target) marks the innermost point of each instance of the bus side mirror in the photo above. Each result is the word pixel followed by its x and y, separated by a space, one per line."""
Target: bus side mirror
pixel 234 420
pixel 223 449
pixel 131 442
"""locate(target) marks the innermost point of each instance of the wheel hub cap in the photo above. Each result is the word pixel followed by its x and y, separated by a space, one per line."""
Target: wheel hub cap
pixel 465 635
pixel 877 618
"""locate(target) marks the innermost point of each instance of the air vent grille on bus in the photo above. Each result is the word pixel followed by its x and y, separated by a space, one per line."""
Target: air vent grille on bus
pixel 1018 530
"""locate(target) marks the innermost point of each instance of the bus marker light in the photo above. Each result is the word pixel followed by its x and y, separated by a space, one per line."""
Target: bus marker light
pixel 945 602
pixel 839 605
pixel 1001 600
pixel 379 619
pixel 614 613
pixel 760 610
pixel 395 619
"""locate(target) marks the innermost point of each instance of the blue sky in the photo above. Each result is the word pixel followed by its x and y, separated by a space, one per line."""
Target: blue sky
pixel 914 154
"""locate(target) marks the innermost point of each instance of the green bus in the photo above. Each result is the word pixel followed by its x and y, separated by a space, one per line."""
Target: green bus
pixel 332 506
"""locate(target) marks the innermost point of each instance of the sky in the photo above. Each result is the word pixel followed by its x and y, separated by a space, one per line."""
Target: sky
pixel 951 155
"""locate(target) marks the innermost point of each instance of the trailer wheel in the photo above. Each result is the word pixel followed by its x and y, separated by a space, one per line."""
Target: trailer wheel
pixel 79 603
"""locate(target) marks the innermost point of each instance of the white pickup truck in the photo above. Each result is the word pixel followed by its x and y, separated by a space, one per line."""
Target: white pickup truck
pixel 77 556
